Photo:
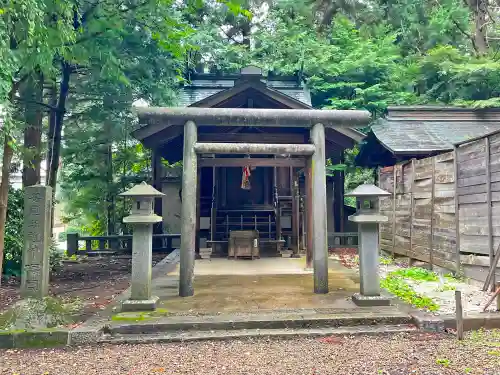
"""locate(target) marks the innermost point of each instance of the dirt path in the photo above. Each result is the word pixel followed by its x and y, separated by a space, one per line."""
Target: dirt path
pixel 396 355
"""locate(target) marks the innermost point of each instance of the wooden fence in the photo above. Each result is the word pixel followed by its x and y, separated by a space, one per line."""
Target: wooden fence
pixel 109 245
pixel 426 196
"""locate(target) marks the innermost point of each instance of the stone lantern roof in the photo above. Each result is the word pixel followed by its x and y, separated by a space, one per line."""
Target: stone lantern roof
pixel 368 190
pixel 142 190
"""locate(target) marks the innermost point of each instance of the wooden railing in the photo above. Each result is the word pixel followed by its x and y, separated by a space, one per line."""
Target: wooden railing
pixel 108 245
pixel 342 240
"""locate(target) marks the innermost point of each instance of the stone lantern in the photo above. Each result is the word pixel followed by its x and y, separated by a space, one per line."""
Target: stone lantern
pixel 142 218
pixel 368 217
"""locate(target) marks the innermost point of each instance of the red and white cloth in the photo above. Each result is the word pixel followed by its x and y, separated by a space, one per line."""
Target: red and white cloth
pixel 245 179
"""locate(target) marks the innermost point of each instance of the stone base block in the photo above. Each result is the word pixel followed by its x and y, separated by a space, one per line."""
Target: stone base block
pixel 139 305
pixel 361 300
pixel 84 336
pixel 428 322
pixel 295 256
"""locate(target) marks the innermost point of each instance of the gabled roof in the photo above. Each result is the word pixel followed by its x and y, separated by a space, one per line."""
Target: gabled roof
pixel 203 86
pixel 422 131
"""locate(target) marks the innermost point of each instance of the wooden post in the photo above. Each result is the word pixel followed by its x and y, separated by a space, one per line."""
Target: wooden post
pixel 431 239
pixel 213 209
pixel 320 250
pixel 412 206
pixel 188 217
pixel 277 206
pixel 459 314
pixel 394 210
pixel 72 243
pixel 457 212
pixel 309 213
pixel 198 214
pixel 498 297
pixel 295 234
pixel 489 208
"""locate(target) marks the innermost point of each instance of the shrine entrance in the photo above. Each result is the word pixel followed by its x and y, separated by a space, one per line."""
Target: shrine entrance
pixel 253 161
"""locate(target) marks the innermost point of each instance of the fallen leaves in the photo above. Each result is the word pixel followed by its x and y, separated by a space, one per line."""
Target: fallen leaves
pixel 334 340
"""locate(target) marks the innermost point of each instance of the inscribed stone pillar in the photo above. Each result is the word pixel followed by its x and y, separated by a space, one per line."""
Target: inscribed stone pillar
pixel 320 250
pixel 35 264
pixel 188 213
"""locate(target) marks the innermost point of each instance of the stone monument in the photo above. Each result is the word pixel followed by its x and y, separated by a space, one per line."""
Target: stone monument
pixel 141 219
pixel 35 263
pixel 367 217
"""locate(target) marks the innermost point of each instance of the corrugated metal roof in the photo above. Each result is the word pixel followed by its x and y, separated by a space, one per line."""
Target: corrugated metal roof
pixel 203 88
pixel 400 136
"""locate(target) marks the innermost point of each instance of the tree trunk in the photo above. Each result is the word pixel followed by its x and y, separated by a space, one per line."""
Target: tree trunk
pixel 55 130
pixel 110 199
pixel 33 93
pixel 8 152
pixel 479 8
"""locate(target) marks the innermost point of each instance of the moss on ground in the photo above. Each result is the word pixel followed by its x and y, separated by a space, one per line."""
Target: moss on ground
pixel 138 316
pixel 47 313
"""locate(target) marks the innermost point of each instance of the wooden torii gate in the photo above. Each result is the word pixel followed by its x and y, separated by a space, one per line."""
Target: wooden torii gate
pixel 316 205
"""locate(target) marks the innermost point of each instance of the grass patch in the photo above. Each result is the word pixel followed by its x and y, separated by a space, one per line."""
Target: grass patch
pixel 446 287
pixel 395 284
pixel 443 362
pixel 489 338
pixel 386 261
pixel 417 274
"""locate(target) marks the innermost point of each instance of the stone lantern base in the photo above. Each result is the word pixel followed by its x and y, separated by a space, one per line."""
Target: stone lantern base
pixel 366 301
pixel 139 305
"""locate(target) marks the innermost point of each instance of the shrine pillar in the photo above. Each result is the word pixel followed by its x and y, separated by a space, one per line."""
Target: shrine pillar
pixel 319 210
pixel 188 211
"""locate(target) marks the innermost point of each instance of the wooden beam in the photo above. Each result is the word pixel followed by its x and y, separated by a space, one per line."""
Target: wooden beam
pixel 284 138
pixel 252 162
pixel 254 148
pixel 156 119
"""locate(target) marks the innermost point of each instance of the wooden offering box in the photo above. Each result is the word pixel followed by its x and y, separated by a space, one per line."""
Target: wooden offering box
pixel 244 244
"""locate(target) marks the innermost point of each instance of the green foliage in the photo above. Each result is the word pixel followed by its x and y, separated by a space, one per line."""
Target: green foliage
pixel 416 273
pixel 396 285
pixel 14 234
pixel 443 362
pixel 387 261
pixel 14 241
pixel 446 287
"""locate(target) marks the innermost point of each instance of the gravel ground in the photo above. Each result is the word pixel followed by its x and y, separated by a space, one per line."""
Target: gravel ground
pixel 401 354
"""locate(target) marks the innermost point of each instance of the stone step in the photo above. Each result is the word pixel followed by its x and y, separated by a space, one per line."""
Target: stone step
pixel 260 321
pixel 255 334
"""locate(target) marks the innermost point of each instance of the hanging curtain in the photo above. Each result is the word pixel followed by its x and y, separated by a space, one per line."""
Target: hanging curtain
pixel 245 178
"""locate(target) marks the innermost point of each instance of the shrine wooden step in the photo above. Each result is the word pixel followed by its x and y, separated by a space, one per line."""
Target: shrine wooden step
pixel 285 333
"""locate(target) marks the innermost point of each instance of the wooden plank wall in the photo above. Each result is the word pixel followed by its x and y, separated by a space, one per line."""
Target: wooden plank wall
pixel 421 210
pixel 425 198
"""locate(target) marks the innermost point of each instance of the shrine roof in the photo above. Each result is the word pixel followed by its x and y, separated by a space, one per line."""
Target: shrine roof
pixel 202 86
pixel 422 131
